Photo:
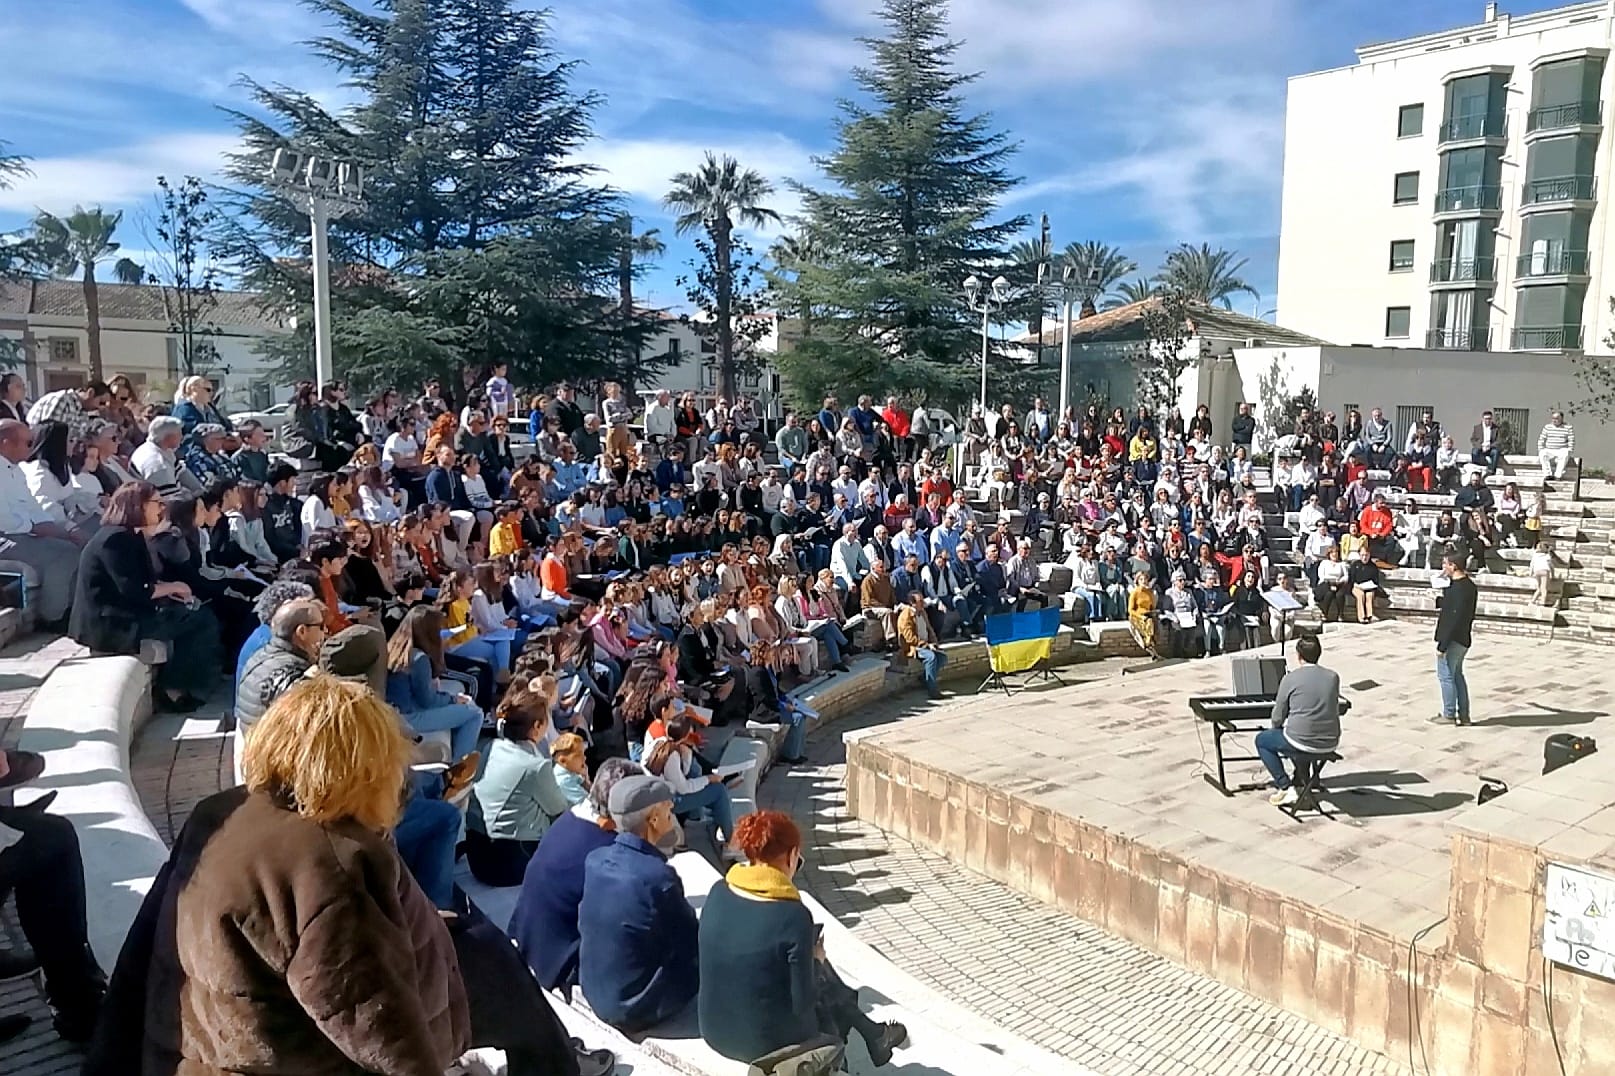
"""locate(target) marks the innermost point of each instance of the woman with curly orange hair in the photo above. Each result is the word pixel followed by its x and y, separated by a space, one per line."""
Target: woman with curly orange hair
pixel 442 432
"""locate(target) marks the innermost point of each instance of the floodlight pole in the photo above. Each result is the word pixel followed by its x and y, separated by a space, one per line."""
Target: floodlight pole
pixel 319 215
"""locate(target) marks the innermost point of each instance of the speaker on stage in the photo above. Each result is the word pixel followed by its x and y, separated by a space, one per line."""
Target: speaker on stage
pixel 1258 676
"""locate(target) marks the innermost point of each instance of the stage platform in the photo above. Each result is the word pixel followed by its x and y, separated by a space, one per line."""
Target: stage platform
pixel 1092 797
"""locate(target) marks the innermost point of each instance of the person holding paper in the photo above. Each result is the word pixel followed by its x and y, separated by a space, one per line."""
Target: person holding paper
pixel 671 758
pixel 1180 612
pixel 1366 580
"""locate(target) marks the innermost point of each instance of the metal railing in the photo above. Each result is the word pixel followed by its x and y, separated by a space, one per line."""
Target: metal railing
pixel 1464 128
pixel 1554 261
pixel 1456 199
pixel 1550 338
pixel 1454 270
pixel 1458 339
pixel 1553 117
pixel 1558 189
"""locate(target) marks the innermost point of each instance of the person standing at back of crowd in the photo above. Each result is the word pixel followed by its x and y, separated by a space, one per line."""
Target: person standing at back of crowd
pixel 1453 628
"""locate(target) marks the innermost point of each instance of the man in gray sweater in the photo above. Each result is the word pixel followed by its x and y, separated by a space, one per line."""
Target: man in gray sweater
pixel 1306 717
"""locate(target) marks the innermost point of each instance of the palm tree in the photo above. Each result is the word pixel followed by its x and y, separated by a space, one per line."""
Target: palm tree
pixel 716 197
pixel 1097 268
pixel 1024 259
pixel 632 248
pixel 72 246
pixel 794 254
pixel 1133 291
pixel 1206 276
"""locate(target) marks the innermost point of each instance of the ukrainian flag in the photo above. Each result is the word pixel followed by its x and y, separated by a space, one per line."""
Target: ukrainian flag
pixel 1018 641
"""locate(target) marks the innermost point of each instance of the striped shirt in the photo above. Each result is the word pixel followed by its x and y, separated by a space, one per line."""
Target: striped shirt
pixel 1555 438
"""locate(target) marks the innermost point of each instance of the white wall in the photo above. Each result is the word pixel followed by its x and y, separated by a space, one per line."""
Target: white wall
pixel 1460 385
pixel 1342 153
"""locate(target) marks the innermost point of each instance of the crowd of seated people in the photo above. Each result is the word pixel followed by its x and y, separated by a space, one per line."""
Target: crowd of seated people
pixel 591 608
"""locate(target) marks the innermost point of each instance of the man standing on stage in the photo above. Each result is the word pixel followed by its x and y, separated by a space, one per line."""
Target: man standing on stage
pixel 1452 638
pixel 1306 718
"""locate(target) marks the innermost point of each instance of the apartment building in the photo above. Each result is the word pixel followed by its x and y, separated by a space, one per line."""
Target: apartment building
pixel 1452 191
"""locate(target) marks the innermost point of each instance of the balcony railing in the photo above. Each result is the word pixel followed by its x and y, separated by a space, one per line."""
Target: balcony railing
pixel 1458 199
pixel 1458 339
pixel 1559 189
pixel 1552 338
pixel 1456 270
pixel 1555 117
pixel 1464 128
pixel 1553 261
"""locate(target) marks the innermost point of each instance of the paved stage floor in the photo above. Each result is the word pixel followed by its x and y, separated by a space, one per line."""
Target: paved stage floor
pixel 1126 754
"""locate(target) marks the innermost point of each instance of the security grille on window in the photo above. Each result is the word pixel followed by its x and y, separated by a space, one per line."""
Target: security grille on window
pixel 1516 426
pixel 64 349
pixel 1407 417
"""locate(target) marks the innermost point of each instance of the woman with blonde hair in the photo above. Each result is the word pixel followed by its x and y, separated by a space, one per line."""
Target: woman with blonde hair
pixel 285 910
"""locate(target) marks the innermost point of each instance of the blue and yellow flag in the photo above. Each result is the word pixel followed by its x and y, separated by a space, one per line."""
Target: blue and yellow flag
pixel 1018 641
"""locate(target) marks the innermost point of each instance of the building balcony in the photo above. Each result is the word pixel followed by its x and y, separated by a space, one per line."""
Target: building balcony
pixel 1473 129
pixel 1557 190
pixel 1550 338
pixel 1458 339
pixel 1469 200
pixel 1551 263
pixel 1463 270
pixel 1552 119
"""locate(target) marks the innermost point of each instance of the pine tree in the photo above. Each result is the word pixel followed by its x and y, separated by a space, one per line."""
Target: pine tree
pixel 481 239
pixel 916 187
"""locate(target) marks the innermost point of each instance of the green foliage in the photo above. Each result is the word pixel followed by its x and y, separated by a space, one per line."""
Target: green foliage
pixel 1099 270
pixel 746 292
pixel 183 269
pixel 72 246
pixel 480 241
pixel 915 184
pixel 1206 276
pixel 1596 376
pixel 1281 407
pixel 1162 359
pixel 710 199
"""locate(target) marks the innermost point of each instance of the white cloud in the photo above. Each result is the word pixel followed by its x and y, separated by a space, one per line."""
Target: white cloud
pixel 261 21
pixel 118 176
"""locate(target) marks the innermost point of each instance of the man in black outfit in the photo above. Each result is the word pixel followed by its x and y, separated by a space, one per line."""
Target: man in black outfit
pixel 1243 428
pixel 1453 626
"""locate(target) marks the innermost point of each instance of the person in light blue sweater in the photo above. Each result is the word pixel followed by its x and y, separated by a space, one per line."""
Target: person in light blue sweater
pixel 414 660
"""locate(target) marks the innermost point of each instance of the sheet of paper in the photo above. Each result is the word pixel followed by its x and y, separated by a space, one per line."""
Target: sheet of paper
pixel 736 768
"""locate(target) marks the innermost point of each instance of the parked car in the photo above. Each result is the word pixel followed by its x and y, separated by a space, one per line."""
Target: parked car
pixel 274 420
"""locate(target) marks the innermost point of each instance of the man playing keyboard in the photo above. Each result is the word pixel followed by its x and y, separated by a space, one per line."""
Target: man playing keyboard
pixel 1306 717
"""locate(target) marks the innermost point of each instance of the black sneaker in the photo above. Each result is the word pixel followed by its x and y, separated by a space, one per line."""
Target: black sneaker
pixel 13 1026
pixel 17 964
pixel 595 1062
pixel 892 1035
pixel 76 1024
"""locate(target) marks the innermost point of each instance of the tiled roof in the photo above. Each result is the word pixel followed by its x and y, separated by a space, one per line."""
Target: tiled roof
pixel 1126 323
pixel 127 302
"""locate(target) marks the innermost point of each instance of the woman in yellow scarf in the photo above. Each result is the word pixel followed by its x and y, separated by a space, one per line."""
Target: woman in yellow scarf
pixel 768 994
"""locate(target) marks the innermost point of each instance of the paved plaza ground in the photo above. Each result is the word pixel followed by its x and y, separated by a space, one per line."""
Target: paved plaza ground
pixel 1051 978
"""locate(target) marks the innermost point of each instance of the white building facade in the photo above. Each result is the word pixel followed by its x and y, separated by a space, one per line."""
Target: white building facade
pixel 1452 191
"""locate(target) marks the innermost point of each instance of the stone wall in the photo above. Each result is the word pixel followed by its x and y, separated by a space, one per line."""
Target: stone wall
pixel 1476 980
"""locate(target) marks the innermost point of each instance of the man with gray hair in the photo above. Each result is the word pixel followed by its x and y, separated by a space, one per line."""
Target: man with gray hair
pixel 544 925
pixel 295 634
pixel 158 462
pixel 275 595
pixel 637 953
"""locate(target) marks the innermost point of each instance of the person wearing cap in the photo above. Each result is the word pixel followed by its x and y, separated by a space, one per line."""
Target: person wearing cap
pixel 638 961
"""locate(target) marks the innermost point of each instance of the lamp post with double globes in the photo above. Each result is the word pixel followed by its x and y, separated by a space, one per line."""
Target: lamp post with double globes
pixel 996 297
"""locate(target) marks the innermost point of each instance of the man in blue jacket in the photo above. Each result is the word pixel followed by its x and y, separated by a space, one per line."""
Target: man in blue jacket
pixel 638 960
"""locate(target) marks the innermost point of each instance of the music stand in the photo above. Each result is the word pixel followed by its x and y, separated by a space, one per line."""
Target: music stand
pixel 1283 603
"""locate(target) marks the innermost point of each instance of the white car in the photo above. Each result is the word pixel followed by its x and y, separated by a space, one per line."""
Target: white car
pixel 274 419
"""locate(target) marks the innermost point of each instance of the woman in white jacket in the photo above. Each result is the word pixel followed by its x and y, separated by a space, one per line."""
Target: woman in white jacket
pixel 247 525
pixel 50 480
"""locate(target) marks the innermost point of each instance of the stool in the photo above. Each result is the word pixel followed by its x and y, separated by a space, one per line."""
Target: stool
pixel 1309 785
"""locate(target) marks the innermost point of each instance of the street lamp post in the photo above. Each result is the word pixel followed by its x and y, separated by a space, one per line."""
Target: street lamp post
pixel 325 189
pixel 997 297
pixel 1070 291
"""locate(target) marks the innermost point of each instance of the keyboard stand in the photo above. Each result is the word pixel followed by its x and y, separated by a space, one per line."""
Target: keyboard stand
pixel 1221 727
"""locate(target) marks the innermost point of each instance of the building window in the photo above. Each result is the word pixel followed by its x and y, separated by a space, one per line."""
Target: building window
pixel 64 350
pixel 1401 255
pixel 1398 322
pixel 1406 189
pixel 1410 121
pixel 673 353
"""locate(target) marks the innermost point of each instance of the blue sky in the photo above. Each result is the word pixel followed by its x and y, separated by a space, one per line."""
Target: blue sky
pixel 1141 122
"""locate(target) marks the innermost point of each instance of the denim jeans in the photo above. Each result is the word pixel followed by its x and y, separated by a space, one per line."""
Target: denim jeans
pixel 931 662
pixel 495 652
pixel 795 733
pixel 426 836
pixel 1454 688
pixel 833 638
pixel 462 720
pixel 1273 749
pixel 1095 601
pixel 714 797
